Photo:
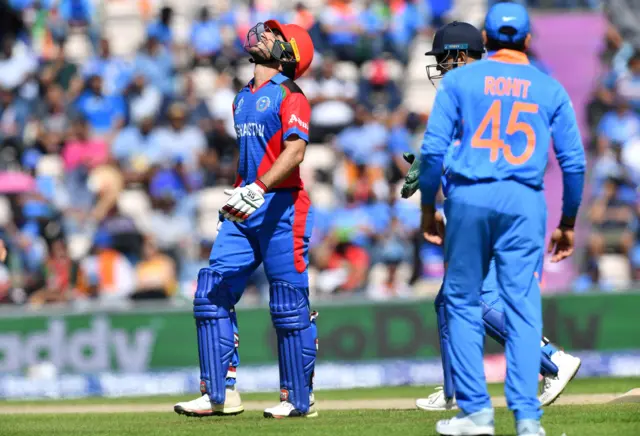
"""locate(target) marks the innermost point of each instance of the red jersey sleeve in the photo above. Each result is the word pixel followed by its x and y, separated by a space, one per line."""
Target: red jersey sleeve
pixel 295 114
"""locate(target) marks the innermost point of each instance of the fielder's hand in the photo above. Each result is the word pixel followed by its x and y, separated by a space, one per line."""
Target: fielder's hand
pixel 561 244
pixel 411 182
pixel 242 202
pixel 430 226
pixel 3 251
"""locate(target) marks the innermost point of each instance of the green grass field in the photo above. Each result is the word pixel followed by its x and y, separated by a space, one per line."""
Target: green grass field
pixel 576 420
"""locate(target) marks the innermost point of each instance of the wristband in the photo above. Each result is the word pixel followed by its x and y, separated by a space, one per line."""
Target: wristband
pixel 567 223
pixel 261 184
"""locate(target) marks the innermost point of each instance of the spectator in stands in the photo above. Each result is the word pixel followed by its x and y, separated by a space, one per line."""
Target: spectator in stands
pixel 341 25
pixel 183 146
pixel 197 110
pixel 619 125
pixel 161 28
pixel 137 150
pixel 399 142
pixel 83 151
pixel 79 14
pixel 156 63
pixel 106 273
pixel 331 98
pixel 365 144
pixel 13 116
pixel 221 100
pixel 344 266
pixel 155 274
pixel 628 84
pixel 612 218
pixel 61 72
pixel 51 117
pixel 114 71
pixel 374 27
pixel 408 18
pixel 143 99
pixel 61 276
pixel 206 39
pixel 17 69
pixel 105 113
pixel 221 157
pixel 170 227
pixel 376 89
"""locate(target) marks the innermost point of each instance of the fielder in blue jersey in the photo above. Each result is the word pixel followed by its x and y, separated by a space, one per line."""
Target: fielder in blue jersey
pixel 267 219
pixel 504 112
pixel 454 45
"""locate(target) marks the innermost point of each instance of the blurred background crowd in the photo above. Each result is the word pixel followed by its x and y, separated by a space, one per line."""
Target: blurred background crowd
pixel 117 142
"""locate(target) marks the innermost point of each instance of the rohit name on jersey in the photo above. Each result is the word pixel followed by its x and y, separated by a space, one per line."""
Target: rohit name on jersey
pixel 249 129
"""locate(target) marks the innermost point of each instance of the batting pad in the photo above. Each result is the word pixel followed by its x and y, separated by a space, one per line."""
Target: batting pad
pixel 494 324
pixel 214 325
pixel 296 342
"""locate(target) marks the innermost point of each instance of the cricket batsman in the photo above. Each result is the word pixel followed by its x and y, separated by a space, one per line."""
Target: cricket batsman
pixel 267 218
pixel 504 112
pixel 457 44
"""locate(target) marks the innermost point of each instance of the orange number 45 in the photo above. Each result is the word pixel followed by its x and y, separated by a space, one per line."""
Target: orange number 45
pixel 494 143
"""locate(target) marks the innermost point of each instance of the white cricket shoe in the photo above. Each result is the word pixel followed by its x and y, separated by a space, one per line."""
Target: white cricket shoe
pixel 475 424
pixel 203 407
pixel 436 402
pixel 529 427
pixel 552 386
pixel 287 410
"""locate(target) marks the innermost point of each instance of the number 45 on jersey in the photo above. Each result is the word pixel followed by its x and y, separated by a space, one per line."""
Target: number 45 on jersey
pixel 514 125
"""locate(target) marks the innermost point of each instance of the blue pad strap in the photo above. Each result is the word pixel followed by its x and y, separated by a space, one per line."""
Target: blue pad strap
pixel 445 350
pixel 212 311
pixel 296 342
pixel 494 324
pixel 547 366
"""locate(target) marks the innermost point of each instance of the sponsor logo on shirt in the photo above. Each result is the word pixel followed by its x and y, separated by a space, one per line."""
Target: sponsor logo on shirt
pixel 249 129
pixel 295 120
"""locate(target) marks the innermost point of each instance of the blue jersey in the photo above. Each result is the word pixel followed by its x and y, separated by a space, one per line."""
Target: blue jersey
pixel 264 118
pixel 504 112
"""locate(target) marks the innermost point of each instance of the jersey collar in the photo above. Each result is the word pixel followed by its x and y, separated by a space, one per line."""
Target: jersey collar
pixel 277 79
pixel 508 56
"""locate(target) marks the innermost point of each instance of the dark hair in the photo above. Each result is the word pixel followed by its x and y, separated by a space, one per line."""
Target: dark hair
pixel 635 57
pixel 475 54
pixel 494 45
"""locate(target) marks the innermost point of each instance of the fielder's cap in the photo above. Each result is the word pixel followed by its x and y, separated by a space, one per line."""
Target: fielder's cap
pixel 507 22
pixel 456 36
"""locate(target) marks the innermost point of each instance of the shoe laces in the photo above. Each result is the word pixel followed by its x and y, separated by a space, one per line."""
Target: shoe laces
pixel 437 394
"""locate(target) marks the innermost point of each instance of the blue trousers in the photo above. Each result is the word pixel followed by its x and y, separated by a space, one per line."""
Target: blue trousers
pixel 504 220
pixel 276 235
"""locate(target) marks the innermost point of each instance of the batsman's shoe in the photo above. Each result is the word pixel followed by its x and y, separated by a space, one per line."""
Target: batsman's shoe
pixel 552 386
pixel 286 410
pixel 203 407
pixel 479 423
pixel 436 402
pixel 529 427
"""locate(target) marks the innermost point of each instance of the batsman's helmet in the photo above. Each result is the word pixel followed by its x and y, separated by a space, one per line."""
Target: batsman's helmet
pixel 295 53
pixel 449 41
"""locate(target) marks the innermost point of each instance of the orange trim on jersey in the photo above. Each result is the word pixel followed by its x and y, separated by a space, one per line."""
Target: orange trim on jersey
pixel 301 206
pixel 510 57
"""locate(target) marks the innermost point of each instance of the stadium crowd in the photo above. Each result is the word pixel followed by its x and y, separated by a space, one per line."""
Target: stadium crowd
pixel 112 169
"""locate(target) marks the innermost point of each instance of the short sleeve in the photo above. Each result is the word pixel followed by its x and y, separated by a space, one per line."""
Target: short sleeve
pixel 295 114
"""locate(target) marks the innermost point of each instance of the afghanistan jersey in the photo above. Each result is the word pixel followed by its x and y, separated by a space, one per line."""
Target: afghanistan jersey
pixel 264 118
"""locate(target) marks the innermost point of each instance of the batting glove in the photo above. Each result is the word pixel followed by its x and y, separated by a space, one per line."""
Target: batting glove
pixel 243 202
pixel 411 180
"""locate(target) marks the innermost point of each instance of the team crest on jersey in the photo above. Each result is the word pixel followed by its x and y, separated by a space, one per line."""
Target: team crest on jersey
pixel 239 106
pixel 262 104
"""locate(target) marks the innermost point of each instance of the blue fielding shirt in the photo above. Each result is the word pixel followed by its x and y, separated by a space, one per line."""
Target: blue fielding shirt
pixel 504 112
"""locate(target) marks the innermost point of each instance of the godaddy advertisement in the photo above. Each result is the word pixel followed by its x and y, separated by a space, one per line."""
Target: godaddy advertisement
pixel 162 340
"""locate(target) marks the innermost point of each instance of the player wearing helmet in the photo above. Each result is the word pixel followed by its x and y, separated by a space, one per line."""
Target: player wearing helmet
pixel 455 45
pixel 267 218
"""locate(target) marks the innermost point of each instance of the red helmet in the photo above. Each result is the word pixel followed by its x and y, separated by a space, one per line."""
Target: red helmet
pixel 299 40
